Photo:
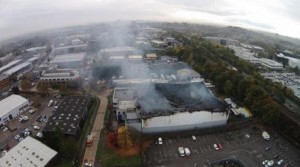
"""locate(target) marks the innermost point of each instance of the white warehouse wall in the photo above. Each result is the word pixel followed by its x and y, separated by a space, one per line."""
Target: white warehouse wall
pixel 183 121
pixel 15 112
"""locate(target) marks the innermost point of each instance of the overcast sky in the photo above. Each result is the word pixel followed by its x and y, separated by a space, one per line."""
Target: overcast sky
pixel 18 17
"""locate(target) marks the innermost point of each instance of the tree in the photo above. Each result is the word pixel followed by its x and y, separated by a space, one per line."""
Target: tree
pixel 68 147
pixel 15 90
pixel 271 111
pixel 124 137
pixel 112 138
pixel 228 87
pixel 254 99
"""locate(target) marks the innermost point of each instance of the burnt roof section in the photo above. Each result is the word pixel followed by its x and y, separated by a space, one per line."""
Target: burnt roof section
pixel 163 98
pixel 68 115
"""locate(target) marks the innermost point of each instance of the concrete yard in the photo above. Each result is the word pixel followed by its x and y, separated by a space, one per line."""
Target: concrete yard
pixel 235 144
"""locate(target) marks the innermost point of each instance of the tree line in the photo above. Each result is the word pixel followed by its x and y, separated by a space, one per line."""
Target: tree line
pixel 233 77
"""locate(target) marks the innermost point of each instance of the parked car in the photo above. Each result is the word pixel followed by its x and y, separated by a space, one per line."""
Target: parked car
pixel 270 163
pixel 160 140
pixel 40 135
pixel 265 162
pixel 181 151
pixel 36 127
pixel 280 162
pixel 187 152
pixel 220 146
pixel 4 128
pixel 267 148
pixel 216 147
pixel 17 137
pixel 275 156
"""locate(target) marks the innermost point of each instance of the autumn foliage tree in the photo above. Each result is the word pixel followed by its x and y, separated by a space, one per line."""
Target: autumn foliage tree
pixel 123 138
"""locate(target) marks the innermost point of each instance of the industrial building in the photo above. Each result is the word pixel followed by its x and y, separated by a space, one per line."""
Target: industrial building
pixel 12 106
pixel 151 56
pixel 59 77
pixel 70 49
pixel 9 65
pixel 29 152
pixel 160 107
pixel 4 81
pixel 41 69
pixel 74 60
pixel 33 60
pixel 17 69
pixel 292 62
pixel 69 116
pixel 135 58
pixel 118 51
pixel 270 64
pixel 247 55
pixel 222 41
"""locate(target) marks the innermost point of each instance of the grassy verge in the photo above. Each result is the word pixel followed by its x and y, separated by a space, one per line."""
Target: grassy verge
pixel 110 159
pixel 100 144
pixel 66 163
pixel 90 119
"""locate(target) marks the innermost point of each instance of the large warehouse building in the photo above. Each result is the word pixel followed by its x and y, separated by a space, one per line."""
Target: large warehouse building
pixel 74 60
pixel 159 107
pixel 11 107
pixel 69 115
pixel 29 152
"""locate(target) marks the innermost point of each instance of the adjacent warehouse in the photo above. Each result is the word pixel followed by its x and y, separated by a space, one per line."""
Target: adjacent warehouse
pixel 9 65
pixel 11 107
pixel 69 116
pixel 74 60
pixel 17 69
pixel 59 77
pixel 29 152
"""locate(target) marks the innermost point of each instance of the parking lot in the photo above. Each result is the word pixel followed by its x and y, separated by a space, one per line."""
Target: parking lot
pixel 16 128
pixel 250 149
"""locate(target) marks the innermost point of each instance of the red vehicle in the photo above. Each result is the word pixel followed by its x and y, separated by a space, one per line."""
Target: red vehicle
pixel 220 146
pixel 89 140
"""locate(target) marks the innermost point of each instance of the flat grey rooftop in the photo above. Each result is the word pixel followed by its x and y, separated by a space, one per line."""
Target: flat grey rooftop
pixel 124 94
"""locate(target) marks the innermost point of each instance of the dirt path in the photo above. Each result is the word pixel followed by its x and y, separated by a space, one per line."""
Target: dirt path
pixel 90 152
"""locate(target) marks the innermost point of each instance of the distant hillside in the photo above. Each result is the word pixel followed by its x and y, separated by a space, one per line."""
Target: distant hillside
pixel 238 33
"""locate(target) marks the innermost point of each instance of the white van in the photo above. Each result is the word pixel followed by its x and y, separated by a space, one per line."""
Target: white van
pixel 36 127
pixel 50 103
pixel 187 152
pixel 31 111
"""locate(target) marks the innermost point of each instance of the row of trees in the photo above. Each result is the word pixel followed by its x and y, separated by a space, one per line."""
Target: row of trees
pixel 245 85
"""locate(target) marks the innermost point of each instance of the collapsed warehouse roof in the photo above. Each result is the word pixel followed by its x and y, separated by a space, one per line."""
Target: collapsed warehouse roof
pixel 167 98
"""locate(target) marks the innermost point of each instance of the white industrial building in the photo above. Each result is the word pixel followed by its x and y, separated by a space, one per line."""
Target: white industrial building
pixel 292 62
pixel 59 76
pixel 29 152
pixel 135 58
pixel 17 69
pixel 9 65
pixel 11 107
pixel 247 55
pixel 62 49
pixel 148 108
pixel 270 63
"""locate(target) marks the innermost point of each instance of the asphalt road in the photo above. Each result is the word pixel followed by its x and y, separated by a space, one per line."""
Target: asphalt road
pixel 90 152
